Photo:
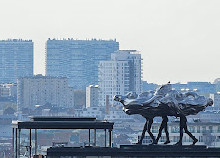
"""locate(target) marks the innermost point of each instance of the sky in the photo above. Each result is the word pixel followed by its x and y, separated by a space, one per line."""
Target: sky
pixel 179 39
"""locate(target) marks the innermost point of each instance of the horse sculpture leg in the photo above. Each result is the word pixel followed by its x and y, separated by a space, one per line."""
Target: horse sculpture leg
pixel 147 127
pixel 188 132
pixel 143 132
pixel 163 126
pixel 149 131
pixel 183 125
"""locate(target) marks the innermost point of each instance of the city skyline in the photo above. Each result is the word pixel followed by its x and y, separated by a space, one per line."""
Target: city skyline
pixel 77 59
pixel 178 39
pixel 16 59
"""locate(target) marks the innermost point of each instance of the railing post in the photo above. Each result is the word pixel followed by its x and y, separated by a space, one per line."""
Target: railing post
pixel 105 137
pixel 16 142
pixel 13 142
pixel 35 142
pixel 19 135
pixel 110 137
pixel 94 137
pixel 89 137
pixel 30 144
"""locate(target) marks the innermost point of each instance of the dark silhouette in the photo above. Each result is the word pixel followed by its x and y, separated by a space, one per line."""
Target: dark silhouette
pixel 147 127
pixel 164 102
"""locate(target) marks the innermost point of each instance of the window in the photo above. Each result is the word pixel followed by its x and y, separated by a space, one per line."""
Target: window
pixel 198 129
pixel 155 129
pixel 175 129
pixel 192 129
pixel 203 129
pixel 210 129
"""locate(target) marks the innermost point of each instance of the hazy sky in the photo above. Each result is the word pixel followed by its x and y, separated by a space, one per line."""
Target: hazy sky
pixel 179 39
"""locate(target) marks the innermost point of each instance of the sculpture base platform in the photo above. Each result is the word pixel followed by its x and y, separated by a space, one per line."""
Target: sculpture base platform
pixel 131 151
pixel 164 147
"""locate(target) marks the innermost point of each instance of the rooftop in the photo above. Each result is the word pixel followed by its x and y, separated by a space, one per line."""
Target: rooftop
pixel 15 40
pixel 62 123
pixel 73 39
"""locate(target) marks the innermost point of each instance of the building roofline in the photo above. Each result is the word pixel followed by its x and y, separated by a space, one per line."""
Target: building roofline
pixel 16 40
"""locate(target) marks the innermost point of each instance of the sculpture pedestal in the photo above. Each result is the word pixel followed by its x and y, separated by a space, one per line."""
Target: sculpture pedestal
pixel 134 151
pixel 164 147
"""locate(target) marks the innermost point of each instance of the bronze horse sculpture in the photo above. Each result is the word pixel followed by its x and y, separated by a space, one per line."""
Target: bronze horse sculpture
pixel 164 102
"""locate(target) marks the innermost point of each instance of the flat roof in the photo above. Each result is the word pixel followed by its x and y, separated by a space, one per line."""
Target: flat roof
pixel 62 123
pixel 61 118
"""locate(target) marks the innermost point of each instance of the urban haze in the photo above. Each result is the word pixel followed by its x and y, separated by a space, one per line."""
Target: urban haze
pixel 68 59
pixel 181 33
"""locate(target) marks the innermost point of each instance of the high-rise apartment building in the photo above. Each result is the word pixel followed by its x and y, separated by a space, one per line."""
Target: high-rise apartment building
pixel 40 90
pixel 92 96
pixel 120 75
pixel 16 59
pixel 77 59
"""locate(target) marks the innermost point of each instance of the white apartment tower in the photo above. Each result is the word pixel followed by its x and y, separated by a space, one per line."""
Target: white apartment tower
pixel 216 99
pixel 120 75
pixel 92 96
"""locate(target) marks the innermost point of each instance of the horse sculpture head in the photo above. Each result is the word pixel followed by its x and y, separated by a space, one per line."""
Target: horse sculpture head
pixel 209 102
pixel 133 103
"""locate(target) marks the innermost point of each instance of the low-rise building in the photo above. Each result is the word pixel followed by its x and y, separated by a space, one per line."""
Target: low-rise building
pixel 8 90
pixel 117 114
pixel 41 90
pixel 94 112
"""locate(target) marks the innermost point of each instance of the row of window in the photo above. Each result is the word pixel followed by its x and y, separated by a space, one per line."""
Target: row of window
pixel 193 129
